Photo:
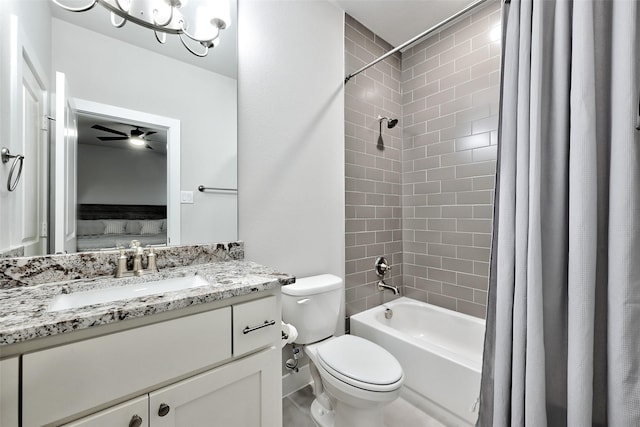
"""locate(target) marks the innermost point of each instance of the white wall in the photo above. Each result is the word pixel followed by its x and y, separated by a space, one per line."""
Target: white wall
pixel 34 21
pixel 105 70
pixel 291 135
pixel 141 178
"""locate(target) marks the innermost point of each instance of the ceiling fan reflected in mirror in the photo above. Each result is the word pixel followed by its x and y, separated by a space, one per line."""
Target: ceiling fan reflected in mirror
pixel 136 137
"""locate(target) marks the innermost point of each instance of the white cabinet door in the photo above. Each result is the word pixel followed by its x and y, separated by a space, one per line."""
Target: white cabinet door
pixel 244 393
pixel 133 413
pixel 9 391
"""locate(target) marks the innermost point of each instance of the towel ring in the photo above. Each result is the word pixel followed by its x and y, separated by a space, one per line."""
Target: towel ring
pixel 19 158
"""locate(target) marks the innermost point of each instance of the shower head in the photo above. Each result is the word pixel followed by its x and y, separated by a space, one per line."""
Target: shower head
pixel 391 123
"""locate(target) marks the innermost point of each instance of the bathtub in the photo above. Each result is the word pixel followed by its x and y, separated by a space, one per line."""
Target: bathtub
pixel 440 351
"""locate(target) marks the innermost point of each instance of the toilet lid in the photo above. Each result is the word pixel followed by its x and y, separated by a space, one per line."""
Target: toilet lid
pixel 360 363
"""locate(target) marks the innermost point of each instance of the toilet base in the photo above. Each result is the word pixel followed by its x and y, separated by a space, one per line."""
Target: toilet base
pixel 321 416
pixel 346 416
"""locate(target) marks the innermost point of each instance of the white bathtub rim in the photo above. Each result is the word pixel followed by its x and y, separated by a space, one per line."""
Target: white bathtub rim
pixel 411 301
pixel 473 364
pixel 368 317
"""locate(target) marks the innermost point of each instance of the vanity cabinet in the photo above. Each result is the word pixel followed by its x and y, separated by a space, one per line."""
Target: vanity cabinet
pixel 221 365
pixel 238 394
pixel 62 381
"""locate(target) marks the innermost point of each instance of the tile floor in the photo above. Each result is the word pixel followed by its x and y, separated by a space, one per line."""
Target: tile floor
pixel 400 413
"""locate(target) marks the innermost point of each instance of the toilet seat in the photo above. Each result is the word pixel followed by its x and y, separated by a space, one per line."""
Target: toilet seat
pixel 360 363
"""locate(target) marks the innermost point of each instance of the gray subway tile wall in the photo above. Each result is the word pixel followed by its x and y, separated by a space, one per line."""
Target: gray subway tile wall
pixel 426 201
pixel 373 176
pixel 456 73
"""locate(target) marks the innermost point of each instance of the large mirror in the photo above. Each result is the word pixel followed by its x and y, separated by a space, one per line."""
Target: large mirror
pixel 127 73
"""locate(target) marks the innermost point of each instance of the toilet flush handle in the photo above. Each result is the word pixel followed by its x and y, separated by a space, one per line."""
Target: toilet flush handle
pixel 303 301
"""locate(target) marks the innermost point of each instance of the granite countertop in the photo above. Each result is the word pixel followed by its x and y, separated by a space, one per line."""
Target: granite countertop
pixel 24 315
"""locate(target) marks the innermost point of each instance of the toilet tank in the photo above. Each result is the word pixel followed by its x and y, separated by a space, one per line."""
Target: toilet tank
pixel 312 305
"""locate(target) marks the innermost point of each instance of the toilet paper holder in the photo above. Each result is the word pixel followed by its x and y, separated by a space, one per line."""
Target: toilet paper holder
pixel 289 333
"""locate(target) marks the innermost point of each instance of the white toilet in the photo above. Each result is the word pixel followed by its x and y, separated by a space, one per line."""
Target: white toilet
pixel 353 378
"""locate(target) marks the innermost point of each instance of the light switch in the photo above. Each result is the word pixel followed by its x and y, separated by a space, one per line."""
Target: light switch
pixel 186 197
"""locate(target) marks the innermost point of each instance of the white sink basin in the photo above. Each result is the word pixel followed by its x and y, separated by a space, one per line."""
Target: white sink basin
pixel 117 293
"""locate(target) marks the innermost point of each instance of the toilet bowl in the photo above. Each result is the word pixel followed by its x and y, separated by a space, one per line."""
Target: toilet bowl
pixel 353 378
pixel 359 377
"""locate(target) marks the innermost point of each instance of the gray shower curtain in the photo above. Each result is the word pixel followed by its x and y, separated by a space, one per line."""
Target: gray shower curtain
pixel 562 345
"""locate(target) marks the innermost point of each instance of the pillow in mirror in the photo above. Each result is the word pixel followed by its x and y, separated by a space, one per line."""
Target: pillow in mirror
pixel 151 226
pixel 90 227
pixel 114 226
pixel 133 227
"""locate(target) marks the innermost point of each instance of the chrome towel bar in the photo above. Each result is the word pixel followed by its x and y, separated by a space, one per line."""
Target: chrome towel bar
pixel 202 189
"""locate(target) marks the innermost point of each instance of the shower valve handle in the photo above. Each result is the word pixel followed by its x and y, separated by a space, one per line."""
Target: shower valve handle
pixel 382 267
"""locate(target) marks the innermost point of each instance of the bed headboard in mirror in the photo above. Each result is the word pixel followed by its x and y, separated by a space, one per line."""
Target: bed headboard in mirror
pixel 112 226
pixel 101 211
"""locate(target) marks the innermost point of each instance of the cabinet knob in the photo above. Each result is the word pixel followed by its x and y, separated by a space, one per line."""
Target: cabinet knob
pixel 163 409
pixel 136 421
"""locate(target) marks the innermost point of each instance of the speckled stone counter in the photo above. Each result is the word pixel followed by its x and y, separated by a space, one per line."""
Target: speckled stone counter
pixel 24 315
pixel 86 265
pixel 12 253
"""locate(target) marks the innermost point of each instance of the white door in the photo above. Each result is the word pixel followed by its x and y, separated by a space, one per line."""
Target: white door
pixel 239 394
pixel 133 413
pixel 64 169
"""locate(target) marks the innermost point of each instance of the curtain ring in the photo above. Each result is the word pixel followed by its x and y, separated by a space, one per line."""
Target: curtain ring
pixel 6 155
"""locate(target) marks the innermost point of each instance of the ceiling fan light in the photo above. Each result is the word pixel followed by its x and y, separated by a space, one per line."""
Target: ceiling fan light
pixel 136 140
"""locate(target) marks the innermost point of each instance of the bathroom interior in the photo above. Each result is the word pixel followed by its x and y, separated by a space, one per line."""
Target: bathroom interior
pixel 339 213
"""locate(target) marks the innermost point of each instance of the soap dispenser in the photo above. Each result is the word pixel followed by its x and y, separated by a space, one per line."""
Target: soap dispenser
pixel 151 261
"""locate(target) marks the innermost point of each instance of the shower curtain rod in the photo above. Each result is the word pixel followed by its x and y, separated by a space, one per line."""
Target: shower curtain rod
pixel 416 38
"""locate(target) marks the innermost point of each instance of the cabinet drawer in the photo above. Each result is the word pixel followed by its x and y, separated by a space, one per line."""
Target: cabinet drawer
pixel 63 381
pixel 256 324
pixel 119 416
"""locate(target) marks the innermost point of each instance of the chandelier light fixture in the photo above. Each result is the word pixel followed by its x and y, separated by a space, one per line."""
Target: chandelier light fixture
pixel 196 22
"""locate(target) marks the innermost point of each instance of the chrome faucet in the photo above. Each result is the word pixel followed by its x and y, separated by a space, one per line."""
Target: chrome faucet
pixel 382 267
pixel 382 286
pixel 137 258
pixel 138 270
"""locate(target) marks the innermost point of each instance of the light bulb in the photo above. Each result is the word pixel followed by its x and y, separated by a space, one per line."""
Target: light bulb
pixel 136 140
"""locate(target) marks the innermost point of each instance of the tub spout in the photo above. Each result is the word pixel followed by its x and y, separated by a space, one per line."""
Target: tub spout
pixel 382 286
